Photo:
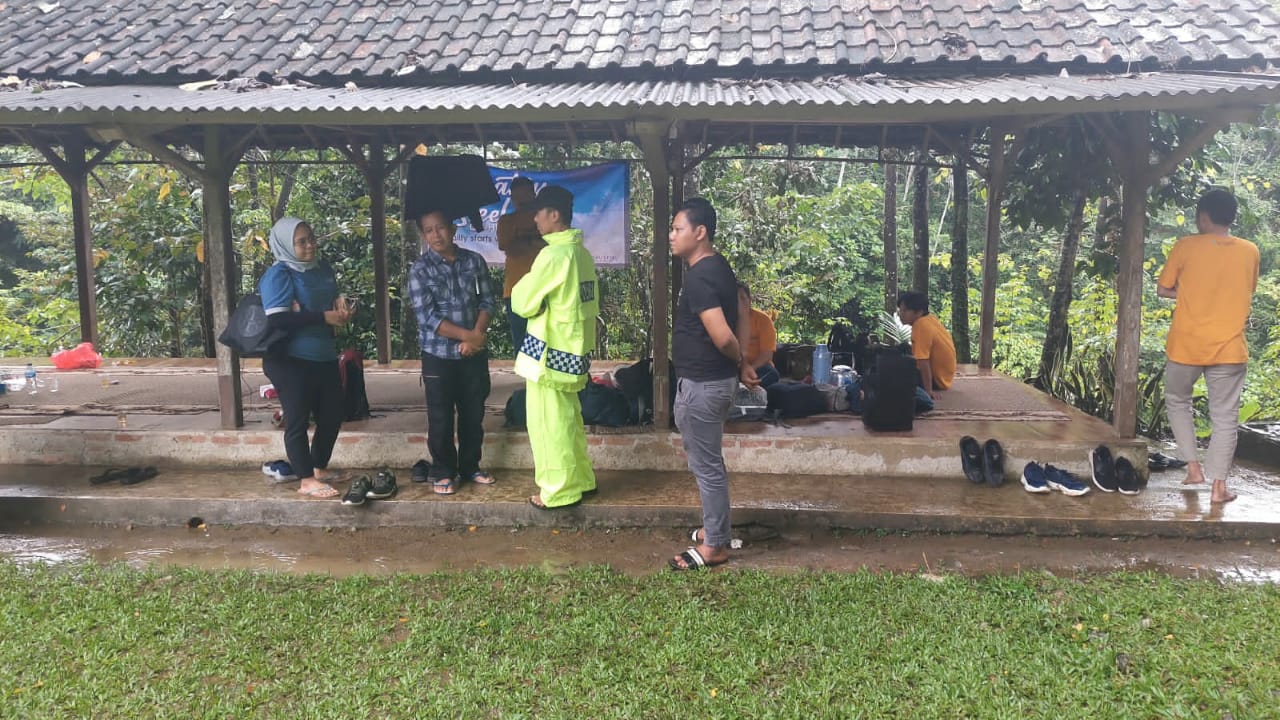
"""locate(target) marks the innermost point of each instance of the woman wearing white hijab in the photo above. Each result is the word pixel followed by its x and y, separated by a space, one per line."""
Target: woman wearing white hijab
pixel 300 295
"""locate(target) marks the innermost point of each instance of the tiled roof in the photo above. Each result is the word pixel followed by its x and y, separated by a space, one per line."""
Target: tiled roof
pixel 424 41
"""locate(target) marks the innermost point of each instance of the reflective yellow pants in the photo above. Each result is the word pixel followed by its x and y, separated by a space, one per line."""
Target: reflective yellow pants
pixel 561 467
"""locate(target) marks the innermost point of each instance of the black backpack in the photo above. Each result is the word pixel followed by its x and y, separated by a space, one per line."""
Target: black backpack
pixel 355 403
pixel 249 333
pixel 515 413
pixel 602 405
pixel 636 383
pixel 889 393
pixel 796 400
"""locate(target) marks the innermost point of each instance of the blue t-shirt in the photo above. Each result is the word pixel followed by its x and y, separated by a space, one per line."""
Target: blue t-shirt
pixel 315 291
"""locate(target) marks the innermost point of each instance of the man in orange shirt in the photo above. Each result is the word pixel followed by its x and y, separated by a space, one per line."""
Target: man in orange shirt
pixel 1212 276
pixel 931 344
pixel 518 237
pixel 763 342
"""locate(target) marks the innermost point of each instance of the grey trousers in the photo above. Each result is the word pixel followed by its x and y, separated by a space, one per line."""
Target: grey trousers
pixel 1224 383
pixel 701 409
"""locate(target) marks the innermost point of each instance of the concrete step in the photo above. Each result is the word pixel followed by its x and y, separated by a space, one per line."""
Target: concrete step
pixel 812 446
pixel 62 494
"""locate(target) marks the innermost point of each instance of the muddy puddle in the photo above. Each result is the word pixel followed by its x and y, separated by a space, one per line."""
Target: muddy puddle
pixel 385 551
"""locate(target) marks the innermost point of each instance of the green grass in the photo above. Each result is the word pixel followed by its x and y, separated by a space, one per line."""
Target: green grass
pixel 113 642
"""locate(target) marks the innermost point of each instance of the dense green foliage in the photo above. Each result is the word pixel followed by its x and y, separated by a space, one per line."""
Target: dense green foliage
pixel 806 235
pixel 93 641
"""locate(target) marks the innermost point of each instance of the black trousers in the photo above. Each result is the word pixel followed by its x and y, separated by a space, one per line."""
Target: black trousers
pixel 461 387
pixel 307 388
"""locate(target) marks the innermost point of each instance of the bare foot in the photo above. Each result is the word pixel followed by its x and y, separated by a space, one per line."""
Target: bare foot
pixel 1195 475
pixel 312 487
pixel 1220 493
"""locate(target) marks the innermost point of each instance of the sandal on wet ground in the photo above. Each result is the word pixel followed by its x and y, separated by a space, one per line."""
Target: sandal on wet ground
pixel 109 475
pixel 693 560
pixel 444 486
pixel 125 476
pixel 135 475
pixel 480 477
pixel 536 501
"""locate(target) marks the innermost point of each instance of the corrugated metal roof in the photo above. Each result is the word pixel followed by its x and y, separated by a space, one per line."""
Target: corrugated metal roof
pixel 802 99
pixel 377 41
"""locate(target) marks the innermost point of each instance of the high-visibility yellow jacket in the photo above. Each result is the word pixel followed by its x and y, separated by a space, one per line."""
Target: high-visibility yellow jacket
pixel 560 296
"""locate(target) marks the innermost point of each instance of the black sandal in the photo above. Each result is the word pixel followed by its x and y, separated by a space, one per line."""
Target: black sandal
pixel 109 475
pixel 135 475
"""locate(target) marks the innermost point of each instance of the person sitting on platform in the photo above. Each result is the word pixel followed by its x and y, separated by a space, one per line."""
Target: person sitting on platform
pixel 931 344
pixel 763 341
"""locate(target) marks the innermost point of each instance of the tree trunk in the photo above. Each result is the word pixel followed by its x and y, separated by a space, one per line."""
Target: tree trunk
pixel 889 236
pixel 1055 336
pixel 286 192
pixel 920 226
pixel 960 260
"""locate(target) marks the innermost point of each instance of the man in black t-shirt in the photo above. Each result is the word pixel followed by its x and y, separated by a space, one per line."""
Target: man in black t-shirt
pixel 711 330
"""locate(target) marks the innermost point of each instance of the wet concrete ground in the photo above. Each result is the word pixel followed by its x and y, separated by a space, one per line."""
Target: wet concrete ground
pixel 382 551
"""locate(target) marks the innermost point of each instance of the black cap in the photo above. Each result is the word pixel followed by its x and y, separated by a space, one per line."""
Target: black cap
pixel 555 197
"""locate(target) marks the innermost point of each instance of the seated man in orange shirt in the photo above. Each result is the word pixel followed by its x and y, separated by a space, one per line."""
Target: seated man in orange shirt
pixel 763 342
pixel 931 344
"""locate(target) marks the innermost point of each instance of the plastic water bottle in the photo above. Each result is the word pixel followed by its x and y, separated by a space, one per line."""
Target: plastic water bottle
pixel 821 365
pixel 30 375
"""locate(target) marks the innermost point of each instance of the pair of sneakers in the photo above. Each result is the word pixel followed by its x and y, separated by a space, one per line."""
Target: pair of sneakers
pixel 1114 474
pixel 1037 478
pixel 982 464
pixel 380 487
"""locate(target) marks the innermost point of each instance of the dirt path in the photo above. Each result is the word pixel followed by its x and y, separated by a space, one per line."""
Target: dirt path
pixel 382 551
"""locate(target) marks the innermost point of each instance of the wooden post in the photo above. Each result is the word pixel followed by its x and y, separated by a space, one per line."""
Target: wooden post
pixel 677 199
pixel 219 163
pixel 1137 142
pixel 920 224
pixel 652 138
pixel 991 253
pixel 377 179
pixel 960 257
pixel 74 170
pixel 889 233
pixel 78 181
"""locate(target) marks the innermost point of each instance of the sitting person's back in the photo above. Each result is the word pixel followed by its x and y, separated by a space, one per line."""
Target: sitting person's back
pixel 762 343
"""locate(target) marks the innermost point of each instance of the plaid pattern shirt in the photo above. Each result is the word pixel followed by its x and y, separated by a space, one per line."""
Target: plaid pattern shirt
pixel 455 291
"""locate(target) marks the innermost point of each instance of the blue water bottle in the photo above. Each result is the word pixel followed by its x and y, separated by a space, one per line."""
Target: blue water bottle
pixel 30 375
pixel 821 365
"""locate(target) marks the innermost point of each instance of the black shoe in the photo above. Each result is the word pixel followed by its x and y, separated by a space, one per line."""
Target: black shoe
pixel 993 463
pixel 1103 468
pixel 383 486
pixel 1158 461
pixel 421 472
pixel 358 491
pixel 971 460
pixel 1127 481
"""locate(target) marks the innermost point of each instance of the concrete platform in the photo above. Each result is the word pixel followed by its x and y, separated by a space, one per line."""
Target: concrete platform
pixel 36 495
pixel 163 412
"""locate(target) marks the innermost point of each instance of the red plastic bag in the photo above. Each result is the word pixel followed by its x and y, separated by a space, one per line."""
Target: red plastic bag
pixel 79 357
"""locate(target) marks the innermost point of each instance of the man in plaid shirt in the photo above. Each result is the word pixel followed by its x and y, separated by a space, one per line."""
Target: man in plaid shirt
pixel 452 298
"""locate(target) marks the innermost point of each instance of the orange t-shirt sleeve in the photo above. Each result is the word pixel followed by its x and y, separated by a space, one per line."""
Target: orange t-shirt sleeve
pixel 1172 267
